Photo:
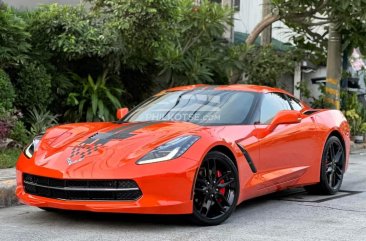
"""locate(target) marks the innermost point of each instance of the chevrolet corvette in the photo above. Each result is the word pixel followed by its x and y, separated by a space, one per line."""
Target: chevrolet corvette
pixel 198 150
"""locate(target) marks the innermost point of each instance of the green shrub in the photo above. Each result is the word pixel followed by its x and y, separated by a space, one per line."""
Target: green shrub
pixel 14 39
pixel 69 32
pixel 9 157
pixel 7 92
pixel 33 87
pixel 19 133
pixel 8 119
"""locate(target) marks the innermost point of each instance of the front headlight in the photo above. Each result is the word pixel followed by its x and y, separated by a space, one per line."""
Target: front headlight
pixel 32 148
pixel 170 150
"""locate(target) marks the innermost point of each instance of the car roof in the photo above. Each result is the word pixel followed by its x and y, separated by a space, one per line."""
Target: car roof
pixel 238 87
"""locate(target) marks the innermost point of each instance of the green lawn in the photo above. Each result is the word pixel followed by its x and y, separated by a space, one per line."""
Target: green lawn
pixel 9 157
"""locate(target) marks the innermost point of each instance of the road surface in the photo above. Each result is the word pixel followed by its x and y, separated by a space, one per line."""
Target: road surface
pixel 290 215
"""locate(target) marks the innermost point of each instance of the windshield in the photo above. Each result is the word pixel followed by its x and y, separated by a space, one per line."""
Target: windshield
pixel 204 107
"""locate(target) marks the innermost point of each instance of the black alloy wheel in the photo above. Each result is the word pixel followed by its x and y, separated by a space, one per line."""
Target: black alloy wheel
pixel 332 168
pixel 216 190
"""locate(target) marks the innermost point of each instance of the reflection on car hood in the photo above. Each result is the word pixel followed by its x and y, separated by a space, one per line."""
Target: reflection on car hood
pixel 108 145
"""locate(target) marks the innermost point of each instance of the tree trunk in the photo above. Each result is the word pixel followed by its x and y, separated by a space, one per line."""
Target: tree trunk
pixel 266 36
pixel 334 67
pixel 267 21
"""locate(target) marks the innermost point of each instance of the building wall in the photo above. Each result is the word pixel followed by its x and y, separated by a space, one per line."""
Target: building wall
pixel 250 15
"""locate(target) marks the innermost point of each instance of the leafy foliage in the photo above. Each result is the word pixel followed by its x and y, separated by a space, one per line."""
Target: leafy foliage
pixel 14 39
pixel 9 157
pixel 33 87
pixel 40 120
pixel 257 63
pixel 19 133
pixel 196 49
pixel 142 26
pixel 315 102
pixel 354 112
pixel 310 20
pixel 69 32
pixel 7 121
pixel 96 101
pixel 7 92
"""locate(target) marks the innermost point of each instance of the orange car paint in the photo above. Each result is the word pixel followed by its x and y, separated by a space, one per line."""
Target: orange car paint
pixel 288 156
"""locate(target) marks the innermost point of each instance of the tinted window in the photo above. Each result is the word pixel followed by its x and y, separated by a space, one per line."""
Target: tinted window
pixel 272 103
pixel 197 106
pixel 295 103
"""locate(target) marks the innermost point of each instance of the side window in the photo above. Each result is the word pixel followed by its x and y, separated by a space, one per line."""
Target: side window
pixel 294 103
pixel 272 103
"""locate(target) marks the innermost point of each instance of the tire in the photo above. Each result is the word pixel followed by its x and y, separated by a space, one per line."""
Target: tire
pixel 216 190
pixel 332 168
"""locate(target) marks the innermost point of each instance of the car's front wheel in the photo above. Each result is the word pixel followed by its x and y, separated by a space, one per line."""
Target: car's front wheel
pixel 332 168
pixel 216 190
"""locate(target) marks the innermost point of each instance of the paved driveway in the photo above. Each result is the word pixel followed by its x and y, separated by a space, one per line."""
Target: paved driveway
pixel 290 215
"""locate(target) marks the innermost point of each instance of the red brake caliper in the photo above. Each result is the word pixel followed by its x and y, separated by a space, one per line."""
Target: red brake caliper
pixel 221 190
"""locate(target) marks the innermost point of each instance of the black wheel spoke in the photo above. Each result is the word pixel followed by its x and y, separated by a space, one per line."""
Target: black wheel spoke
pixel 225 184
pixel 209 172
pixel 202 181
pixel 202 190
pixel 213 169
pixel 332 155
pixel 223 176
pixel 208 207
pixel 331 179
pixel 338 156
pixel 224 200
pixel 339 176
pixel 218 202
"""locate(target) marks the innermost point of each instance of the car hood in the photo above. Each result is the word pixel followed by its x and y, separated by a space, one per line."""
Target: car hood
pixel 107 145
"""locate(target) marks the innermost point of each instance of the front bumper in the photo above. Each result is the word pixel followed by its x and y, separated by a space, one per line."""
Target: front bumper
pixel 166 188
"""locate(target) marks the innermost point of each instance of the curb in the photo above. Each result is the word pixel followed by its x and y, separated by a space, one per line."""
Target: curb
pixel 7 193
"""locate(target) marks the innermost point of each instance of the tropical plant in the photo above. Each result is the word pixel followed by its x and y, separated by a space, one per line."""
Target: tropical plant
pixel 7 92
pixel 96 101
pixel 40 120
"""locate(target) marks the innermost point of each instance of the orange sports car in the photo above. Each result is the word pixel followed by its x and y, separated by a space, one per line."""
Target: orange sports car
pixel 198 150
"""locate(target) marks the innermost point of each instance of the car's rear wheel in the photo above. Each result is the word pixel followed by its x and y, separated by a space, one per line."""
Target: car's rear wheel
pixel 332 168
pixel 216 190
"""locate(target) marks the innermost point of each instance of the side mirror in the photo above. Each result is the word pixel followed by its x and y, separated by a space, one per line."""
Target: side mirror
pixel 121 112
pixel 285 117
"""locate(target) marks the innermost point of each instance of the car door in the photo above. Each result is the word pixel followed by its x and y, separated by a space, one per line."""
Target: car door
pixel 286 152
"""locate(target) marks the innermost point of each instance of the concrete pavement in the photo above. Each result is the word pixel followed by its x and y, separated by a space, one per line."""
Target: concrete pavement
pixel 7 187
pixel 290 215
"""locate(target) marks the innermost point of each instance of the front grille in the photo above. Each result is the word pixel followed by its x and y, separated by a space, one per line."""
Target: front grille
pixel 81 189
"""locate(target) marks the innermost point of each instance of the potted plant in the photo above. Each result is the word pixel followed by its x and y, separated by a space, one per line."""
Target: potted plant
pixel 358 126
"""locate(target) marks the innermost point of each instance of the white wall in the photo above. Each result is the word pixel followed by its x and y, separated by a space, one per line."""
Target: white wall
pixel 250 15
pixel 314 88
